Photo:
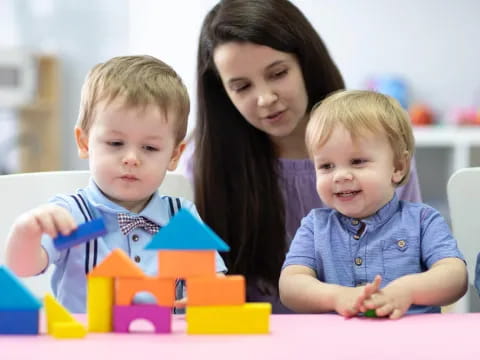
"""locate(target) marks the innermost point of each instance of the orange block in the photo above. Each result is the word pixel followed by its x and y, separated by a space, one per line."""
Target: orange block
pixel 162 288
pixel 186 263
pixel 221 290
pixel 117 264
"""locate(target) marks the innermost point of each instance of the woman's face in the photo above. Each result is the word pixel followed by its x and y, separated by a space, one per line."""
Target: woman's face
pixel 265 85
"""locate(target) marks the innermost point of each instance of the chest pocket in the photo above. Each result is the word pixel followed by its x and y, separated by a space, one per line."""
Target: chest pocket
pixel 401 256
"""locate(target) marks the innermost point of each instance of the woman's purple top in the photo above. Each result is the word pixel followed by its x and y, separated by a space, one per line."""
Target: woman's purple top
pixel 298 184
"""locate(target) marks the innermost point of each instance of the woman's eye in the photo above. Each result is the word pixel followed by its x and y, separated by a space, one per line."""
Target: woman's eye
pixel 240 88
pixel 278 74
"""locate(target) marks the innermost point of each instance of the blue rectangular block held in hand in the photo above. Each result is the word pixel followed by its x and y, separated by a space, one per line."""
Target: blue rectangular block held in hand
pixel 83 233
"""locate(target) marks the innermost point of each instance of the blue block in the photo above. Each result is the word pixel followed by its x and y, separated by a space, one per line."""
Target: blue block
pixel 83 233
pixel 186 232
pixel 19 322
pixel 14 295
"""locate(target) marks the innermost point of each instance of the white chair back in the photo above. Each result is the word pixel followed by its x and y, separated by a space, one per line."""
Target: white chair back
pixel 21 192
pixel 463 190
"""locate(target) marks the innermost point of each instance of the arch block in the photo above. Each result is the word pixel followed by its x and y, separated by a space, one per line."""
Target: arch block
pixel 159 316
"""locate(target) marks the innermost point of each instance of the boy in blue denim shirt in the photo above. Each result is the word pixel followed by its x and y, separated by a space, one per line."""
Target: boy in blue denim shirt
pixel 370 251
pixel 131 126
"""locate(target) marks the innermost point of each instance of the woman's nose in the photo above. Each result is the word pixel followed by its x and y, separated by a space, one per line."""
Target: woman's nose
pixel 266 97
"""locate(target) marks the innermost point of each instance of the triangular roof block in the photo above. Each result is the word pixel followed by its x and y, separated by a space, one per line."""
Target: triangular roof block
pixel 117 264
pixel 14 294
pixel 186 232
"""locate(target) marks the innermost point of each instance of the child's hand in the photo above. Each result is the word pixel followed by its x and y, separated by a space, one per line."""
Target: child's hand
pixel 392 301
pixel 368 290
pixel 346 303
pixel 46 219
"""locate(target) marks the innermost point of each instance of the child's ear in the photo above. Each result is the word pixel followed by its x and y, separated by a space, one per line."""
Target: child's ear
pixel 177 152
pixel 401 168
pixel 82 143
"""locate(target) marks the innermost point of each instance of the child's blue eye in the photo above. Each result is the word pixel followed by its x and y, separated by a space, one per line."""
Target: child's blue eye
pixel 150 148
pixel 358 161
pixel 325 166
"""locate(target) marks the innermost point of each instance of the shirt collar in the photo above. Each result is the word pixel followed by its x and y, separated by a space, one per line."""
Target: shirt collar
pixel 155 210
pixel 379 218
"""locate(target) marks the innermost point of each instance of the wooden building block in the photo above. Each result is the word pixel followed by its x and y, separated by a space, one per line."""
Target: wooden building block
pixel 100 292
pixel 159 316
pixel 56 313
pixel 219 290
pixel 162 288
pixel 68 330
pixel 84 233
pixel 250 318
pixel 117 264
pixel 18 322
pixel 182 264
pixel 186 232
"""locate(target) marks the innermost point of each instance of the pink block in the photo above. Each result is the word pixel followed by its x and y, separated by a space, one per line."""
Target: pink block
pixel 159 316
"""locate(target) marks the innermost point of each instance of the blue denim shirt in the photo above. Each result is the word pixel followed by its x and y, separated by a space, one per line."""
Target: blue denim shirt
pixel 69 280
pixel 399 239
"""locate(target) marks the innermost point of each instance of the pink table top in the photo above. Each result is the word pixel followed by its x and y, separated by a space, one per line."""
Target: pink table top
pixel 433 336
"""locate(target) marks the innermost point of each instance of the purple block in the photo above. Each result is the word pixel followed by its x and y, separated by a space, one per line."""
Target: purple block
pixel 159 316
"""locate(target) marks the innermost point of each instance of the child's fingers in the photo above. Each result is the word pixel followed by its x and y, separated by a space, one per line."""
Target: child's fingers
pixel 384 310
pixel 47 224
pixel 180 303
pixel 64 222
pixel 396 314
pixel 377 282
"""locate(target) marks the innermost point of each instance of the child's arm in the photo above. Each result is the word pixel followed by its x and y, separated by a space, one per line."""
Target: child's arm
pixel 24 254
pixel 301 291
pixel 444 283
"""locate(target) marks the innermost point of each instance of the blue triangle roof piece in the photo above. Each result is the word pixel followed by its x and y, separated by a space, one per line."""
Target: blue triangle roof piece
pixel 14 294
pixel 186 232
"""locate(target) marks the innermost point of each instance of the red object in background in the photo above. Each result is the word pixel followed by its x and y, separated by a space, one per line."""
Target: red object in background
pixel 466 116
pixel 421 115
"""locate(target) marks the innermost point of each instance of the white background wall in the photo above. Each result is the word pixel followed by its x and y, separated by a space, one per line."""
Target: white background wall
pixel 432 44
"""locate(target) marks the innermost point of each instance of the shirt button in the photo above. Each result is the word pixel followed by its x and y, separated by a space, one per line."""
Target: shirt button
pixel 137 259
pixel 135 237
pixel 356 237
pixel 401 243
pixel 355 222
pixel 358 261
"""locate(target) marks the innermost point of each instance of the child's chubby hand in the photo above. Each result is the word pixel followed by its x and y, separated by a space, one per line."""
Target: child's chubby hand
pixel 392 301
pixel 350 301
pixel 46 219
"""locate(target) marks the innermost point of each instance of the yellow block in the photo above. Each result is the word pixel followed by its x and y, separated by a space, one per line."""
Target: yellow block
pixel 100 298
pixel 68 330
pixel 249 318
pixel 56 313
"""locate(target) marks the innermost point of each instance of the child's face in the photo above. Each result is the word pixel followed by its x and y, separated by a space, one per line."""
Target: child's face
pixel 265 85
pixel 356 177
pixel 129 151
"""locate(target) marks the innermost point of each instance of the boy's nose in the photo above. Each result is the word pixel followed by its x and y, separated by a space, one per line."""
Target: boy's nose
pixel 343 175
pixel 131 159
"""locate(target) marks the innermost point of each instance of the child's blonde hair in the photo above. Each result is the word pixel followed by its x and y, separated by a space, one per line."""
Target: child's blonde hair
pixel 140 81
pixel 360 112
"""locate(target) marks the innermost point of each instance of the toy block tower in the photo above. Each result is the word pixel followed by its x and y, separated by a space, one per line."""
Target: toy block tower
pixel 19 309
pixel 216 304
pixel 112 286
